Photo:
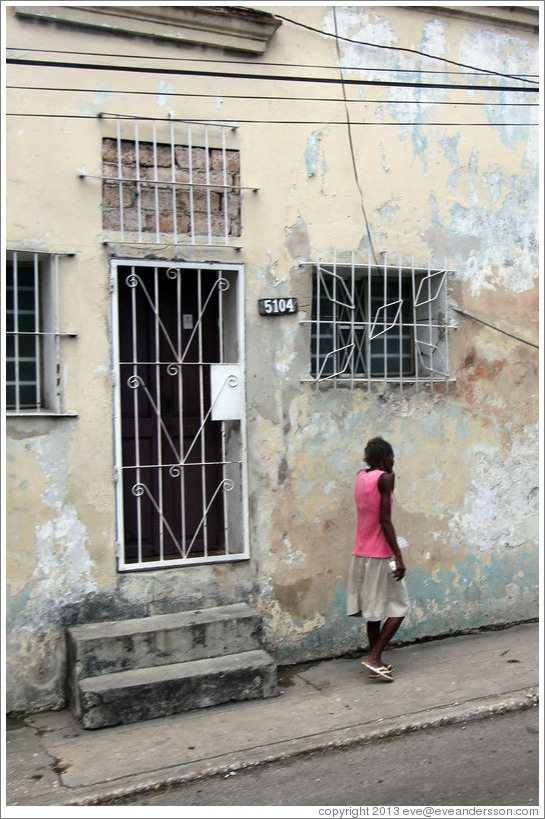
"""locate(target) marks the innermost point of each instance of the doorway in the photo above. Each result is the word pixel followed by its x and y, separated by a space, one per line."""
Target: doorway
pixel 179 391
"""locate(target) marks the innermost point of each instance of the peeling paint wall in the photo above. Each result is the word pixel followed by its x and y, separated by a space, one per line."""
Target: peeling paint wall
pixel 448 190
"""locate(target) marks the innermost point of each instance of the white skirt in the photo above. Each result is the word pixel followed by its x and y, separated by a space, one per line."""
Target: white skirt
pixel 373 593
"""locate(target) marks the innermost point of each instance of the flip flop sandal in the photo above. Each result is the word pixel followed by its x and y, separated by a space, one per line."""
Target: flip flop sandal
pixel 375 676
pixel 381 671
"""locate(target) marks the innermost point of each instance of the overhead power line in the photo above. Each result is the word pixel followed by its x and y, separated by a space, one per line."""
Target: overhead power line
pixel 233 122
pixel 397 48
pixel 266 77
pixel 271 97
pixel 352 153
pixel 263 63
pixel 493 327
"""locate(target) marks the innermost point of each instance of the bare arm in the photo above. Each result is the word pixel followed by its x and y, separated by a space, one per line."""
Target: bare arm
pixel 386 487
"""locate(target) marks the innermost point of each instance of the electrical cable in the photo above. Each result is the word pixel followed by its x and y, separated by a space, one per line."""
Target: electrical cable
pixel 352 154
pixel 276 98
pixel 231 122
pixel 397 48
pixel 474 71
pixel 493 327
pixel 265 77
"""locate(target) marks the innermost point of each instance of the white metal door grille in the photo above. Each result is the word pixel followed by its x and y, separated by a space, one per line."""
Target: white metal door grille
pixel 179 414
pixel 386 324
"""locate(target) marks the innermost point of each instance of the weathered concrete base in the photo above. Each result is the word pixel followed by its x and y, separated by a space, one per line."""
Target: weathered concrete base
pixel 146 693
pixel 125 671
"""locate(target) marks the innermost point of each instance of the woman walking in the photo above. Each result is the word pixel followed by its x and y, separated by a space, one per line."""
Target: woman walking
pixel 377 591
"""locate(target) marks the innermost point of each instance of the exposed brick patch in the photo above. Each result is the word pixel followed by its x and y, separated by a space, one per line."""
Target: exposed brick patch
pixel 151 203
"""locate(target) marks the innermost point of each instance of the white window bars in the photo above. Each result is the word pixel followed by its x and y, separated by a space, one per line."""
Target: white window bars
pixel 33 334
pixel 384 324
pixel 171 182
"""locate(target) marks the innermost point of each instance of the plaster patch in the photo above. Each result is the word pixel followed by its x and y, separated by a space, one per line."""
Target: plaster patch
pixel 502 244
pixel 52 452
pixel 353 22
pixel 419 141
pixel 505 53
pixel 165 91
pixel 297 240
pixel 312 153
pixel 450 144
pixel 283 367
pixel 103 95
pixel 292 555
pixel 454 179
pixel 497 505
pixel 388 211
pixel 63 565
pixel 494 182
pixel 16 604
pixel 433 39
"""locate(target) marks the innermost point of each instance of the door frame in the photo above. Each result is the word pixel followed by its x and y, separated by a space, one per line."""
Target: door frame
pixel 233 329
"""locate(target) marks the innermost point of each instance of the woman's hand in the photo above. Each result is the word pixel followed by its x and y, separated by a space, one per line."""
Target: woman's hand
pixel 399 571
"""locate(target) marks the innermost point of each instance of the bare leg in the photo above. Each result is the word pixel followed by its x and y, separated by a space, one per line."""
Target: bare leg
pixel 386 633
pixel 373 631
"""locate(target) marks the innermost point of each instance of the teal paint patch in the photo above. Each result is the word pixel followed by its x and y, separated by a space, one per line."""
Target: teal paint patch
pixel 419 141
pixel 494 182
pixel 509 123
pixel 166 90
pixel 16 605
pixel 468 596
pixel 387 211
pixel 312 153
pixel 450 148
pixel 103 95
pixel 473 594
pixel 454 179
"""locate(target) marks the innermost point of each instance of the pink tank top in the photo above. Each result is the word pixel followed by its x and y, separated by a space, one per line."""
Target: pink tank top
pixel 370 538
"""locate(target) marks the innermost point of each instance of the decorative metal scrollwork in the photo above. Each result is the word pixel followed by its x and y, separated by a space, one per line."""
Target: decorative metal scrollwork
pixel 133 280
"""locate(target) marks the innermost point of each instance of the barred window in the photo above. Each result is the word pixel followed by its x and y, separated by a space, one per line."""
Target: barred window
pixel 33 337
pixel 372 323
pixel 171 181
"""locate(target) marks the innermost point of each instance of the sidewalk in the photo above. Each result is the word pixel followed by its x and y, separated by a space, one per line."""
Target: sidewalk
pixel 51 760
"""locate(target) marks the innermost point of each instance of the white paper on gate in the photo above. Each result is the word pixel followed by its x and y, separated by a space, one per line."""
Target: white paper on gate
pixel 227 392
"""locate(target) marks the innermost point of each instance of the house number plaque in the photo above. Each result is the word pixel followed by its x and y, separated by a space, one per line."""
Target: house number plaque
pixel 277 307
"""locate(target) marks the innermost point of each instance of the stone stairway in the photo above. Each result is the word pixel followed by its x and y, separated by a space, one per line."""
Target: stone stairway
pixel 130 670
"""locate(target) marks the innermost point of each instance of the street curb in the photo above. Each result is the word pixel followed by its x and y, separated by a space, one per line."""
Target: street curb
pixel 230 764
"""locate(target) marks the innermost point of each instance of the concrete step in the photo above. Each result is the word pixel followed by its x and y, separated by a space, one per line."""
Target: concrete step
pixel 146 693
pixel 120 645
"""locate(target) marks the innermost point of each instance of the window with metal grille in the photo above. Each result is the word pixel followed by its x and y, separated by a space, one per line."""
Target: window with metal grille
pixel 169 181
pixel 32 333
pixel 372 323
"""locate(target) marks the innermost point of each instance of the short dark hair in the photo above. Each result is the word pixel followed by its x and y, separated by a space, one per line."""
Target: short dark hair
pixel 375 450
